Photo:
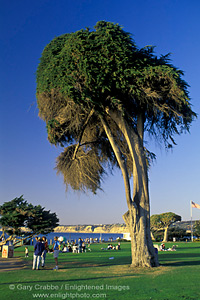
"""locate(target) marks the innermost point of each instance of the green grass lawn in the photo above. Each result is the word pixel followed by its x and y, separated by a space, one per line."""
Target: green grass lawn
pixel 94 275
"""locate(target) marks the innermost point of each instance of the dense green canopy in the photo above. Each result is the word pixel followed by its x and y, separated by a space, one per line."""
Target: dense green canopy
pixel 104 68
pixel 163 221
pixel 18 213
pixel 197 228
pixel 82 74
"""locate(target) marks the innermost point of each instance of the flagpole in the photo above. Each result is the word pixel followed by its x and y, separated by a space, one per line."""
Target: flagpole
pixel 191 221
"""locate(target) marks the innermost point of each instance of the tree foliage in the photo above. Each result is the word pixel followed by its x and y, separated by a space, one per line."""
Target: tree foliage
pixel 196 228
pixel 99 94
pixel 18 213
pixel 82 74
pixel 163 221
pixel 176 232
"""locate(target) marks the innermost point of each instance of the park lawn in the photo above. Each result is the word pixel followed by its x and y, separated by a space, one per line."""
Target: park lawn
pixel 101 274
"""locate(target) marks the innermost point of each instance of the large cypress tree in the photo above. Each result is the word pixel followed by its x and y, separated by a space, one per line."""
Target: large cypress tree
pixel 98 94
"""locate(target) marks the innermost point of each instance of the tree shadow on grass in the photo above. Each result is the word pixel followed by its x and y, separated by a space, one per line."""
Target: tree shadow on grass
pixel 186 248
pixel 77 265
pixel 66 281
pixel 180 263
pixel 179 259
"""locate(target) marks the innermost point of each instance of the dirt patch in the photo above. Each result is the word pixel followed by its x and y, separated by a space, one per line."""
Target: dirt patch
pixel 126 270
pixel 10 264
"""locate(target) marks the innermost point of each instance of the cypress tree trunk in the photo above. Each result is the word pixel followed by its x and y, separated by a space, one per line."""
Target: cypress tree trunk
pixel 142 250
pixel 137 218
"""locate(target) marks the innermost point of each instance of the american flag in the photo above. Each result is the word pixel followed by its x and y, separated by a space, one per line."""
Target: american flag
pixel 195 205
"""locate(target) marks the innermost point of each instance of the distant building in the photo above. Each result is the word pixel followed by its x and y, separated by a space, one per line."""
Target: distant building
pixel 127 236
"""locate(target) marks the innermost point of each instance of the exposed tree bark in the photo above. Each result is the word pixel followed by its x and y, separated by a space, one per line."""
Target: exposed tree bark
pixel 165 239
pixel 120 161
pixel 137 218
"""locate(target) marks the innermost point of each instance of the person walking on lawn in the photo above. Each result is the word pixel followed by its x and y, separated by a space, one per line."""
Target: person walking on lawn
pixel 56 249
pixel 38 250
pixel 44 241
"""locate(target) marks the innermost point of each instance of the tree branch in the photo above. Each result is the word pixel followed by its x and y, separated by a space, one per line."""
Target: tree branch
pixel 81 134
pixel 120 160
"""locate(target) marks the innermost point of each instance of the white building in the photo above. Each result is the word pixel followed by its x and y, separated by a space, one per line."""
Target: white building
pixel 127 236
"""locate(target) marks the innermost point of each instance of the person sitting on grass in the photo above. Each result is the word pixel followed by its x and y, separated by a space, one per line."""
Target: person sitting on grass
pixel 74 248
pixel 65 248
pixel 173 248
pixel 118 247
pixel 83 247
pixel 162 247
pixel 110 247
pixel 69 248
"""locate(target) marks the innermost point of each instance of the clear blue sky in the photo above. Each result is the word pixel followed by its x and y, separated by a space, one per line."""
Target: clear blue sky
pixel 27 160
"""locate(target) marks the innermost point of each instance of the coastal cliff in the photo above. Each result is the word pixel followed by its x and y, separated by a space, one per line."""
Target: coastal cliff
pixel 99 228
pixel 110 228
pixel 106 228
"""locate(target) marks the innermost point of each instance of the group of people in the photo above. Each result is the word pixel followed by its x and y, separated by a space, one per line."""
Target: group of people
pixel 162 248
pixel 76 247
pixel 111 247
pixel 40 250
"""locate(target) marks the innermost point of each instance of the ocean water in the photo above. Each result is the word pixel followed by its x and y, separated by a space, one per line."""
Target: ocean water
pixel 74 236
